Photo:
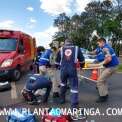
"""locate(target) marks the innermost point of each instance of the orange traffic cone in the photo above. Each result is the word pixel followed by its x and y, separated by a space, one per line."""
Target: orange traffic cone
pixel 94 75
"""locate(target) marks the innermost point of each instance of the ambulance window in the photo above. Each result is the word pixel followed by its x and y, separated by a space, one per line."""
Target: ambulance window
pixel 21 47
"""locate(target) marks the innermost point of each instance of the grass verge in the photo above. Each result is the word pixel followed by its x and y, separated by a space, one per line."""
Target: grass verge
pixel 120 68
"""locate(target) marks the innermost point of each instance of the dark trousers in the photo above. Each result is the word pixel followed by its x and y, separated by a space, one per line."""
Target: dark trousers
pixel 33 86
pixel 69 74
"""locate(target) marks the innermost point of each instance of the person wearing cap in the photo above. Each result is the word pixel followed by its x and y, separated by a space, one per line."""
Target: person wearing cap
pixel 110 64
pixel 67 59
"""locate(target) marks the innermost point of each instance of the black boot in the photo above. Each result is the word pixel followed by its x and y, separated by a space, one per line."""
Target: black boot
pixel 102 99
pixel 61 100
pixel 55 95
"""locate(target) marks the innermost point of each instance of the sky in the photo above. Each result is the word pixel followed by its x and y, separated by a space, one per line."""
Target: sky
pixel 35 17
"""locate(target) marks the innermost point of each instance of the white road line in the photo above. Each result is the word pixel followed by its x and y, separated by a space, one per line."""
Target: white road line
pixel 81 76
pixel 13 91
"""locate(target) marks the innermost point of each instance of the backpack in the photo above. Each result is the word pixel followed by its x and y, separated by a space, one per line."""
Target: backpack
pixel 18 115
pixel 55 117
pixel 50 118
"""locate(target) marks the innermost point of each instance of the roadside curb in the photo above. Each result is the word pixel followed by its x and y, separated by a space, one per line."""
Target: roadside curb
pixel 119 72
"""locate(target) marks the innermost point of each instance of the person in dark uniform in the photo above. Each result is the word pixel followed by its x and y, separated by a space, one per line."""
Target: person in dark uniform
pixel 67 59
pixel 35 82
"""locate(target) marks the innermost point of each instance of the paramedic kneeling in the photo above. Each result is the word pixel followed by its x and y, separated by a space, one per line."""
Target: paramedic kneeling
pixel 35 82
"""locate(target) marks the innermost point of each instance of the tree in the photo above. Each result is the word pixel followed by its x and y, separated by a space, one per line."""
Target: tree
pixel 105 17
pixel 63 24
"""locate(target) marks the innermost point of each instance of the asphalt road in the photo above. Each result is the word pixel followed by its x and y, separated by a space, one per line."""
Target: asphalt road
pixel 88 94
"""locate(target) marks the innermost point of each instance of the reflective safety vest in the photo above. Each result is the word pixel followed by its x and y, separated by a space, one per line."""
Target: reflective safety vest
pixel 44 59
pixel 100 56
pixel 38 57
pixel 114 61
pixel 69 56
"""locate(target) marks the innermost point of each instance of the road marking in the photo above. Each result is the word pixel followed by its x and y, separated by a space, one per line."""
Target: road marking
pixel 81 76
pixel 13 91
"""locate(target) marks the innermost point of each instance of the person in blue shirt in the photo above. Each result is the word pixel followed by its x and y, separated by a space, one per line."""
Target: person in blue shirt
pixel 47 63
pixel 44 60
pixel 110 64
pixel 99 55
pixel 40 51
pixel 45 57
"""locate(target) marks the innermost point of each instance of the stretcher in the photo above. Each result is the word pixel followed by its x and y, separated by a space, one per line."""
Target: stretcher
pixel 90 68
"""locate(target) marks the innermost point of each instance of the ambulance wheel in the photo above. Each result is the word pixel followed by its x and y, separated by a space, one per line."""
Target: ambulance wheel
pixel 16 74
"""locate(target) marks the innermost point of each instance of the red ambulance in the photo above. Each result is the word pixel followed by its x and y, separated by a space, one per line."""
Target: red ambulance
pixel 17 53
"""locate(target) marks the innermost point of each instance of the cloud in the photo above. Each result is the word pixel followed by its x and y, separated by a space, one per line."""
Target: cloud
pixel 32 20
pixel 55 7
pixel 45 37
pixel 80 5
pixel 30 8
pixel 32 23
pixel 11 25
pixel 30 26
pixel 6 24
